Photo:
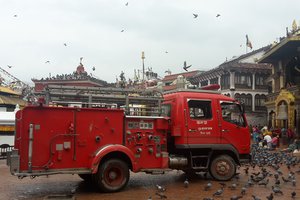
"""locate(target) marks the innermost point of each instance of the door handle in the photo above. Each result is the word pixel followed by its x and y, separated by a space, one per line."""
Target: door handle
pixel 192 130
pixel 225 130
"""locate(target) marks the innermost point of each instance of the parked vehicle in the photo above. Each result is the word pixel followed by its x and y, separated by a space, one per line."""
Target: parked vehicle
pixel 189 130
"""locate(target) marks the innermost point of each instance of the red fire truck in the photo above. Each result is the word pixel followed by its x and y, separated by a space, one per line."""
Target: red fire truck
pixel 189 130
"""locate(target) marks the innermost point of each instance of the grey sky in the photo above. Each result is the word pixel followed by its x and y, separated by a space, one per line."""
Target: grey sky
pixel 92 30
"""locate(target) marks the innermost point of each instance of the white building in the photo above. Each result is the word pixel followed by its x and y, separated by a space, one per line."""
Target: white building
pixel 242 78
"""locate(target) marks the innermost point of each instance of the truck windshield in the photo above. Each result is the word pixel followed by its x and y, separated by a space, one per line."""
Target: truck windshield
pixel 232 112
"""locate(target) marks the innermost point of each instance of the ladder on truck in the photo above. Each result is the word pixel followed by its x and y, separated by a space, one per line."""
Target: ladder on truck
pixel 139 102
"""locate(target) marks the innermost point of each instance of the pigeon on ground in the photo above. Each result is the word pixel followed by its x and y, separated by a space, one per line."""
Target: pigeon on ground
pixel 218 192
pixel 160 188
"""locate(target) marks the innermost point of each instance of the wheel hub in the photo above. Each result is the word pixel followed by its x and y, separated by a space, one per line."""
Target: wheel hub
pixel 112 175
pixel 222 168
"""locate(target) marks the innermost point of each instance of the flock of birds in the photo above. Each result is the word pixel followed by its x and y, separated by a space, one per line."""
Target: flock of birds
pixel 123 30
pixel 274 171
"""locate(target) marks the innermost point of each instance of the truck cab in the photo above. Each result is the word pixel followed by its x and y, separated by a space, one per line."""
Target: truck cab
pixel 206 127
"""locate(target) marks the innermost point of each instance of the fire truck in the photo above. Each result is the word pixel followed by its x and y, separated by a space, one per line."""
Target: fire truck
pixel 115 131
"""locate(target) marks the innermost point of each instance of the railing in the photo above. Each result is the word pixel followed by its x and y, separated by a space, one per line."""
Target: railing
pixel 4 150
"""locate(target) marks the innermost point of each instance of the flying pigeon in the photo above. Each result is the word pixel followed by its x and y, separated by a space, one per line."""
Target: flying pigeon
pixel 122 30
pixel 185 67
pixel 65 44
pixel 47 61
pixel 9 66
pixel 126 4
pixel 15 15
pixel 93 68
pixel 195 15
pixel 218 15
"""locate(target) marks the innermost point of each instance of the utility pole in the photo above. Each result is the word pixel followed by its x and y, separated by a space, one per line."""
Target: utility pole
pixel 143 58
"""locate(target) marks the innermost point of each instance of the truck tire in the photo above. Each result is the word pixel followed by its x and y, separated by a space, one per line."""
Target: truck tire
pixel 112 175
pixel 222 168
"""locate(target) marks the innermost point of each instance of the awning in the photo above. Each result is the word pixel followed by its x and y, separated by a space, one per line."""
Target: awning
pixel 11 100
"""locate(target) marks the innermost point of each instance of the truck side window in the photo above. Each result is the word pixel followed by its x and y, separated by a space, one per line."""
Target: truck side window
pixel 231 112
pixel 200 109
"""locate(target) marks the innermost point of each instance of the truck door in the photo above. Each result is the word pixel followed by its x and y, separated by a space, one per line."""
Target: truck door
pixel 234 129
pixel 201 123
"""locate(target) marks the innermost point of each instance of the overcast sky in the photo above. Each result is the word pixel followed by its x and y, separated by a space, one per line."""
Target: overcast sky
pixel 33 32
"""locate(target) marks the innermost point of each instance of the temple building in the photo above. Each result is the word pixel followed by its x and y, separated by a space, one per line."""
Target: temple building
pixel 78 78
pixel 179 80
pixel 242 78
pixel 283 102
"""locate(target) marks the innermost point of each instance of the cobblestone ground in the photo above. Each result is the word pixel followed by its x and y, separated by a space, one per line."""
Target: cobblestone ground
pixel 141 186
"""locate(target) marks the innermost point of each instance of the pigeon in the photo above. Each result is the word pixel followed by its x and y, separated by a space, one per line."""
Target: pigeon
pixel 294 182
pixel 277 190
pixel 65 44
pixel 185 67
pixel 293 194
pixel 93 68
pixel 160 188
pixel 285 180
pixel 149 198
pixel 232 186
pixel 270 197
pixel 246 170
pixel 218 192
pixel 218 15
pixel 15 15
pixel 166 52
pixel 186 183
pixel 126 4
pixel 195 15
pixel 243 190
pixel 9 66
pixel 263 182
pixel 255 197
pixel 208 186
pixel 47 61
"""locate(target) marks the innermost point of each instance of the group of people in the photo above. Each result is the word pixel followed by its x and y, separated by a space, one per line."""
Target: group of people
pixel 269 138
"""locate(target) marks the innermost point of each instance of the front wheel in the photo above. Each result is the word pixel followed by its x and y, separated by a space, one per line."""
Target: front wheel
pixel 222 168
pixel 112 175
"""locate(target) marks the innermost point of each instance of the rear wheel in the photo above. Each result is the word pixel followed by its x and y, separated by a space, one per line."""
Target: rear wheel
pixel 112 175
pixel 222 168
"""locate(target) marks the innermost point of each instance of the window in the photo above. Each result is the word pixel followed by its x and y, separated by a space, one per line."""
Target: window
pixel 232 113
pixel 166 110
pixel 199 109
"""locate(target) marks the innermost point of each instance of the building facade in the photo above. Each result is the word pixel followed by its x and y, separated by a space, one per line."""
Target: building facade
pixel 242 78
pixel 283 103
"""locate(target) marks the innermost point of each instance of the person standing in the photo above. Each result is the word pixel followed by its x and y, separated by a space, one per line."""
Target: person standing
pixel 290 136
